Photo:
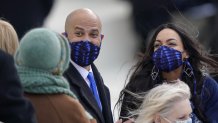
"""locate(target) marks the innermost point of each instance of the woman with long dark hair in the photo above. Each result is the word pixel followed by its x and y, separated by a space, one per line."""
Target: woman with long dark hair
pixel 173 54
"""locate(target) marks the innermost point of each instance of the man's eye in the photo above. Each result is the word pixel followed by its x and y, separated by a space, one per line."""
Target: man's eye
pixel 94 35
pixel 79 33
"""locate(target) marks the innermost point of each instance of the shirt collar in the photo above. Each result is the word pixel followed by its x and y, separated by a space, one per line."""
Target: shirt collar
pixel 83 72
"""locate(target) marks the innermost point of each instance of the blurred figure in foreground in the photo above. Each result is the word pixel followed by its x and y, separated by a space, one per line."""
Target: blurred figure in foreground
pixel 14 108
pixel 8 38
pixel 166 103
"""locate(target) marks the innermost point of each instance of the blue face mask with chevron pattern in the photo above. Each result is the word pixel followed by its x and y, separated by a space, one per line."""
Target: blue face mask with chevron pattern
pixel 167 59
pixel 84 53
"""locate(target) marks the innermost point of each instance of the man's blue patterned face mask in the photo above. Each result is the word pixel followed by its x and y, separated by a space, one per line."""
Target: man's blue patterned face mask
pixel 167 59
pixel 84 53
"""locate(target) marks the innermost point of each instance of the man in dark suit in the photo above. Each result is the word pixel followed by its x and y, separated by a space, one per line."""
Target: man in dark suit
pixel 83 30
pixel 14 108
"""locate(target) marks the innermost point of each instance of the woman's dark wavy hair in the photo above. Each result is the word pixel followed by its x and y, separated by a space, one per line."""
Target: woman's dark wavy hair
pixel 198 59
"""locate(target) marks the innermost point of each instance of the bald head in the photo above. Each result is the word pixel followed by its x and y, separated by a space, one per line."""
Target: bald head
pixel 82 16
pixel 84 26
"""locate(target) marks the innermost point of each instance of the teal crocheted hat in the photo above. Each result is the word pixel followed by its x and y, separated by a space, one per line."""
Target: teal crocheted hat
pixel 41 60
pixel 45 50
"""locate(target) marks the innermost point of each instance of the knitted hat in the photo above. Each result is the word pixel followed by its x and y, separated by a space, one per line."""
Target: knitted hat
pixel 41 59
pixel 43 49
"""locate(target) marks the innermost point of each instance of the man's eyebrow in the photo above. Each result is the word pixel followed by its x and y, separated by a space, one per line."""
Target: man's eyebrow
pixel 78 28
pixel 95 30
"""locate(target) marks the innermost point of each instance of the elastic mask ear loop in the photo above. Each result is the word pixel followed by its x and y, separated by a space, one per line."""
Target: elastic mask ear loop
pixel 65 34
pixel 100 44
pixel 102 36
pixel 154 73
pixel 188 70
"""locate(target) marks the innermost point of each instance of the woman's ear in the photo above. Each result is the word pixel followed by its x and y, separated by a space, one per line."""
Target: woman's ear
pixel 186 54
pixel 157 118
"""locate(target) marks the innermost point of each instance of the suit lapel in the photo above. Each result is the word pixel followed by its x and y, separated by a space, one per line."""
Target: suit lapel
pixel 85 92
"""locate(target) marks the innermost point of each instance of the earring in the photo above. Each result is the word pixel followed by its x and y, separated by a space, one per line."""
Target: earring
pixel 154 73
pixel 188 69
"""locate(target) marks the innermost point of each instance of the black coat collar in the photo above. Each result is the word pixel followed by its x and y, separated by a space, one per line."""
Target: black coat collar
pixel 84 94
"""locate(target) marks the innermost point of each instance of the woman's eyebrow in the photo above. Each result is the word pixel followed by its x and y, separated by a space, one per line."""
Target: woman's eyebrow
pixel 170 39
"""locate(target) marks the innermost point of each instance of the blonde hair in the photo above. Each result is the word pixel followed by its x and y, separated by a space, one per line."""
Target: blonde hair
pixel 160 100
pixel 8 37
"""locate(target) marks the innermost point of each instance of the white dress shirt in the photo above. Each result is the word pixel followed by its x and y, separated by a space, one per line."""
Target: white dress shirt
pixel 83 72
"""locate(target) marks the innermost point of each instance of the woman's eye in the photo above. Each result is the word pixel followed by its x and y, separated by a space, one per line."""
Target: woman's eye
pixel 183 117
pixel 172 44
pixel 156 45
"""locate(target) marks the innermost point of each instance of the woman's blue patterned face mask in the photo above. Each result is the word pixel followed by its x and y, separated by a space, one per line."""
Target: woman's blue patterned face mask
pixel 167 59
pixel 84 53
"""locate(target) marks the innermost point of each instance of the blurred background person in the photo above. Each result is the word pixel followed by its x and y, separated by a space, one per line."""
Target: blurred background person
pixel 25 14
pixel 200 15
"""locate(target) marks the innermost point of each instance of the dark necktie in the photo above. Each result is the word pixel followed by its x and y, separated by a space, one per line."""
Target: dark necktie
pixel 93 88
